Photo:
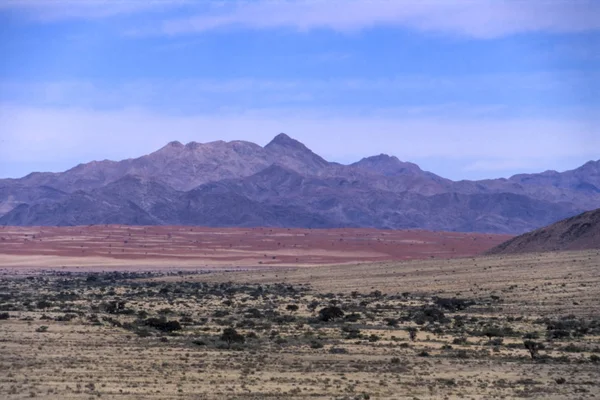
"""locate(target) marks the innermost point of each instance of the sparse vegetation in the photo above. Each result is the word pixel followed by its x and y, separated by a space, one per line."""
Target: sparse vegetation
pixel 222 336
pixel 533 348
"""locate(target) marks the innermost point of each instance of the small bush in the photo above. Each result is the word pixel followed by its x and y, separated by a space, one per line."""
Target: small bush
pixel 223 313
pixel 460 341
pixel 230 336
pixel 495 342
pixel 351 333
pixel 533 348
pixel 572 348
pixel 412 333
pixel 251 335
pixel 330 313
pixel 531 335
pixel 292 307
pixel 453 304
pixel 429 315
pixel 462 354
pixel 44 304
pixel 558 334
pixel 354 317
pixel 373 338
pixel 338 350
pixel 163 325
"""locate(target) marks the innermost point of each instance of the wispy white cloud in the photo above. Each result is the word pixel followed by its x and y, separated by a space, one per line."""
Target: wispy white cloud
pixel 480 19
pixel 57 10
pixel 53 10
pixel 488 92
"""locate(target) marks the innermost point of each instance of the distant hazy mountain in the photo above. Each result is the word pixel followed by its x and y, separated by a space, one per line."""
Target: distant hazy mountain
pixel 285 184
pixel 580 232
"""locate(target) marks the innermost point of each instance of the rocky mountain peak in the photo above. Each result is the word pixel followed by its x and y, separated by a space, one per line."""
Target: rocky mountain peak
pixel 170 148
pixel 294 155
pixel 590 166
pixel 387 165
pixel 382 157
pixel 192 145
pixel 284 140
pixel 175 144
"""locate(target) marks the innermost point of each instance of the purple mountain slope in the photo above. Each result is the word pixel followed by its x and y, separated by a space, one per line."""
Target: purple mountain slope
pixel 284 183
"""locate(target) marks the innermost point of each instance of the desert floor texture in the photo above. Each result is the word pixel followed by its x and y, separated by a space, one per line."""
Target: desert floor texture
pixel 505 327
pixel 150 247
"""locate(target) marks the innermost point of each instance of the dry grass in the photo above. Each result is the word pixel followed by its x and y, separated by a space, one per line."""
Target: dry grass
pixel 96 353
pixel 544 283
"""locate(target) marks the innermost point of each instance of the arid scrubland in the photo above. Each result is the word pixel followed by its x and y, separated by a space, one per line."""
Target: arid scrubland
pixel 523 326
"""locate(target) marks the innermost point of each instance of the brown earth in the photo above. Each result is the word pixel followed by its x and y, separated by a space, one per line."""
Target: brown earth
pixel 581 232
pixel 197 247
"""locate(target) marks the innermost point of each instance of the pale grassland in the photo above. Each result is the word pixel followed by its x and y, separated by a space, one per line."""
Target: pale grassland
pixel 471 349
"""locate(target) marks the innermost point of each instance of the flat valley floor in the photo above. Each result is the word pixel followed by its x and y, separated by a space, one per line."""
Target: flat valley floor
pixel 114 247
pixel 525 326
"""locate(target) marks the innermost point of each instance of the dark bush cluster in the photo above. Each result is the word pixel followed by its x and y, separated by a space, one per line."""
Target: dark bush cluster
pixel 330 313
pixel 453 304
pixel 426 315
pixel 570 326
pixel 230 335
pixel 162 324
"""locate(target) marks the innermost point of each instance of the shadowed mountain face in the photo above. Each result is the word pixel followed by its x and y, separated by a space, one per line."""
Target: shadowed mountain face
pixel 580 232
pixel 286 184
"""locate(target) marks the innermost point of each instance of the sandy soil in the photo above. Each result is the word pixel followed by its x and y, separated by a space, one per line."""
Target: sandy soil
pixel 542 284
pixel 94 354
pixel 152 247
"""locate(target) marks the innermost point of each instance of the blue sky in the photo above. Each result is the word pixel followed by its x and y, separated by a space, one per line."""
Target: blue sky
pixel 466 89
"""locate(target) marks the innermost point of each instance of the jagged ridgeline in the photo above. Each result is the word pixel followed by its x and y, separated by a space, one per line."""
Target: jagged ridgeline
pixel 285 184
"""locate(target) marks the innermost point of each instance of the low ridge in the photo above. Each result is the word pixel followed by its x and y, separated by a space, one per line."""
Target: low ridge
pixel 581 232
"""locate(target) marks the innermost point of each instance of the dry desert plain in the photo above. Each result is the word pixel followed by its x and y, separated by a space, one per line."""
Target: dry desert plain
pixel 102 248
pixel 472 327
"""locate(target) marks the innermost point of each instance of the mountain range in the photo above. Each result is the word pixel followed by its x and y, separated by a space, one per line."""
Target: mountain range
pixel 285 184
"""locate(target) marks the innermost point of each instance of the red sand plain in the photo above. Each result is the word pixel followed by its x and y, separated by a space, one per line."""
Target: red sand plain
pixel 200 247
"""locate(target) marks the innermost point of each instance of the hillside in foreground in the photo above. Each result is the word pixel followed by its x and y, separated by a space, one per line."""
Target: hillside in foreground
pixel 581 232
